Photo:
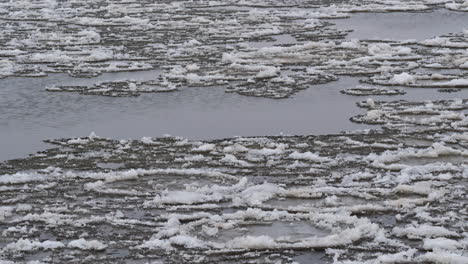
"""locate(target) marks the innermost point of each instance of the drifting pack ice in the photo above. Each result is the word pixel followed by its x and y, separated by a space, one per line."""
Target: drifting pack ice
pixel 393 194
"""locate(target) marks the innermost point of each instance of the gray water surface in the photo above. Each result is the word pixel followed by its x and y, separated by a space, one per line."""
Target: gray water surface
pixel 29 114
pixel 403 25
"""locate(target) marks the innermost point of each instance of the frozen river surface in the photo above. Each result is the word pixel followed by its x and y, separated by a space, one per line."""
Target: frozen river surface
pixel 302 132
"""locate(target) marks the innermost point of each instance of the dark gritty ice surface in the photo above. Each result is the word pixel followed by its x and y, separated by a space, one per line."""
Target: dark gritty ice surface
pixel 29 114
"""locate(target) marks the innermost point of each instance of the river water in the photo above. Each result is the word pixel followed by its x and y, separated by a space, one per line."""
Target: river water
pixel 29 114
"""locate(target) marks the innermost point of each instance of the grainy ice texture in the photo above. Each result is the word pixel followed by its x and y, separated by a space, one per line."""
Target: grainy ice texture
pixel 396 194
pixel 208 43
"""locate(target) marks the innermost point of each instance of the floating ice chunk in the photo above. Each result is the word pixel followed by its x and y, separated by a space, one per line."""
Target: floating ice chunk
pixel 280 149
pixel 187 241
pixel 185 197
pixel 98 55
pixel 147 140
pixel 196 158
pixel 156 244
pixel 23 208
pixel 268 72
pixel 434 151
pixel 262 32
pixel 173 222
pixel 210 231
pixel 252 242
pixel 307 156
pixel 298 164
pixel 314 71
pixel 132 87
pixel 192 67
pixel 89 36
pixel 84 244
pixel 443 257
pixel 423 188
pixel 14 52
pixel 21 177
pixel 193 78
pixel 463 65
pixel 6 68
pixel 457 6
pixel 257 194
pixel 177 70
pixel 442 243
pixel 53 56
pixel 5 211
pixel 126 20
pixel 331 11
pixel 404 256
pixel 229 58
pixel 311 23
pixel 454 83
pixel 370 102
pixel 437 1
pixel 378 49
pixel 423 230
pixel 201 20
pixel 461 137
pixel 27 245
pixel 255 13
pixel 235 148
pixel 383 49
pixel 94 185
pixel 403 51
pixel 283 79
pixel 353 44
pixel 403 79
pixel 231 159
pixel 192 43
pixel 77 141
pixel 92 135
pixel 205 148
pixel 331 201
pixel 443 42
